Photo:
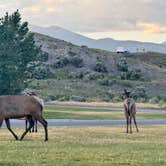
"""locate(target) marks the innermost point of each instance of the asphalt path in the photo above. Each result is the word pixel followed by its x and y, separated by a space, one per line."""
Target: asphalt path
pixel 73 122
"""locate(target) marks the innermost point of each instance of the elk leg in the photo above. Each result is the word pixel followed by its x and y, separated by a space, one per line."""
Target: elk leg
pixel 127 123
pixel 135 123
pixel 44 123
pixel 36 126
pixel 33 128
pixel 1 121
pixel 31 124
pixel 9 128
pixel 130 124
pixel 26 124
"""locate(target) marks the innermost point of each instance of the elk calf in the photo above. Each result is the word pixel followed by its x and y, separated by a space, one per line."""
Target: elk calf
pixel 130 111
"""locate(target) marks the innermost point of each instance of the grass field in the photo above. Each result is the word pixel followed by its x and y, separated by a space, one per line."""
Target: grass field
pixel 86 146
pixel 53 112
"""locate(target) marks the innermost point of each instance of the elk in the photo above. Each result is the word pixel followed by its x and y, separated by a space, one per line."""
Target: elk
pixel 14 107
pixel 28 92
pixel 129 110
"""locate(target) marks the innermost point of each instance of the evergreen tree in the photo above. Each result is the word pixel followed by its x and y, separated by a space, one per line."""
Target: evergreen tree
pixel 17 51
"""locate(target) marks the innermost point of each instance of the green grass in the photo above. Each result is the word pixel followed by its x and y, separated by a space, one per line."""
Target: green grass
pixel 53 112
pixel 86 146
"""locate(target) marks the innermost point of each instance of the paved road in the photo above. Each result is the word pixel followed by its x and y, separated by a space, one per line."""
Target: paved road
pixel 72 122
pixel 108 108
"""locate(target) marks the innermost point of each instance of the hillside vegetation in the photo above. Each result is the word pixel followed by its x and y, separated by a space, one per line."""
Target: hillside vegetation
pixel 84 74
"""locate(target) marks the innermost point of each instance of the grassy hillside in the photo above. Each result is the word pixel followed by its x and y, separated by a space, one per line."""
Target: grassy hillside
pixel 86 74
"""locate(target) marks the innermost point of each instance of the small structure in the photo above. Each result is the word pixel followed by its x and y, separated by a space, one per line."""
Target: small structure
pixel 120 50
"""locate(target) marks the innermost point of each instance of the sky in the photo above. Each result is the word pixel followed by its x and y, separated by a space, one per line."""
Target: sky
pixel 141 20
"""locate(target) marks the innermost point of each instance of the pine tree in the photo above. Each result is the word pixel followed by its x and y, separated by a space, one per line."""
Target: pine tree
pixel 17 51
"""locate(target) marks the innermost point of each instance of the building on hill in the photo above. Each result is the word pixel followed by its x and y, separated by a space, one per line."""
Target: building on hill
pixel 120 50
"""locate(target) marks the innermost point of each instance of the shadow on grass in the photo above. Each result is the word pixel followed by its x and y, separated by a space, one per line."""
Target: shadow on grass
pixel 9 164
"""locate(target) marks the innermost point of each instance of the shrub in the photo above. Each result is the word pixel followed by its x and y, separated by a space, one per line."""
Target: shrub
pixel 139 92
pixel 94 76
pixel 76 61
pixel 117 99
pixel 52 98
pixel 106 82
pixel 126 73
pixel 122 65
pixel 76 75
pixel 134 74
pixel 63 98
pixel 42 72
pixel 77 98
pixel 100 67
pixel 131 75
pixel 60 63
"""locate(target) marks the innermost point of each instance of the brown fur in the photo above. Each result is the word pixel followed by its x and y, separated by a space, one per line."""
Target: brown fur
pixel 20 106
pixel 130 113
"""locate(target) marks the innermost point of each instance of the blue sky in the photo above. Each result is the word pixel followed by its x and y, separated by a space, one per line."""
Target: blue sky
pixel 142 20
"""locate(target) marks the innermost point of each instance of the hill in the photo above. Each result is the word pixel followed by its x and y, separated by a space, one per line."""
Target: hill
pixel 106 44
pixel 85 74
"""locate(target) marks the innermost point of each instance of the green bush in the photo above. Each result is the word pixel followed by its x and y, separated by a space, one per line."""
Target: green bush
pixel 134 74
pixel 51 97
pixel 122 65
pixel 76 75
pixel 76 61
pixel 117 99
pixel 77 98
pixel 100 67
pixel 42 72
pixel 60 63
pixel 139 92
pixel 126 73
pixel 131 75
pixel 63 97
pixel 94 76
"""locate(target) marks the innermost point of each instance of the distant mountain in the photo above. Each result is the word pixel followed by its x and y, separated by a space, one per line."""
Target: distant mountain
pixel 106 43
pixel 63 34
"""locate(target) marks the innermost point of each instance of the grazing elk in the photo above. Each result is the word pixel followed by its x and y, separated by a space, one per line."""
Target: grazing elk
pixel 129 110
pixel 12 107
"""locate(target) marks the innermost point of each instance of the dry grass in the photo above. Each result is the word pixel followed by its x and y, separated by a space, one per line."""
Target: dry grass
pixel 102 104
pixel 86 146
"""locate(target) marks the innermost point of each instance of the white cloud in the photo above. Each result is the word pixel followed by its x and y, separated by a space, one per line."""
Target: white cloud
pixel 91 15
pixel 151 28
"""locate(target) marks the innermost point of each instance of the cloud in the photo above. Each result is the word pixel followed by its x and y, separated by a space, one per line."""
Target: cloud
pixel 151 28
pixel 92 15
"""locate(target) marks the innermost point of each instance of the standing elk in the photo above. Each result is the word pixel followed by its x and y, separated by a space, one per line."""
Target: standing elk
pixel 129 110
pixel 12 107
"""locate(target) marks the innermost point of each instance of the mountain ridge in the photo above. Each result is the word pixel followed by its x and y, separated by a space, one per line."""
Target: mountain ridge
pixel 105 43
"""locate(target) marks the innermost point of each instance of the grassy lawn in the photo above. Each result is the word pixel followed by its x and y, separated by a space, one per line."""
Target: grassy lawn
pixel 86 146
pixel 53 112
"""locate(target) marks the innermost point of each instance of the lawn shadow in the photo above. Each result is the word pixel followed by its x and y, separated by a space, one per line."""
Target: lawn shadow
pixel 9 164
